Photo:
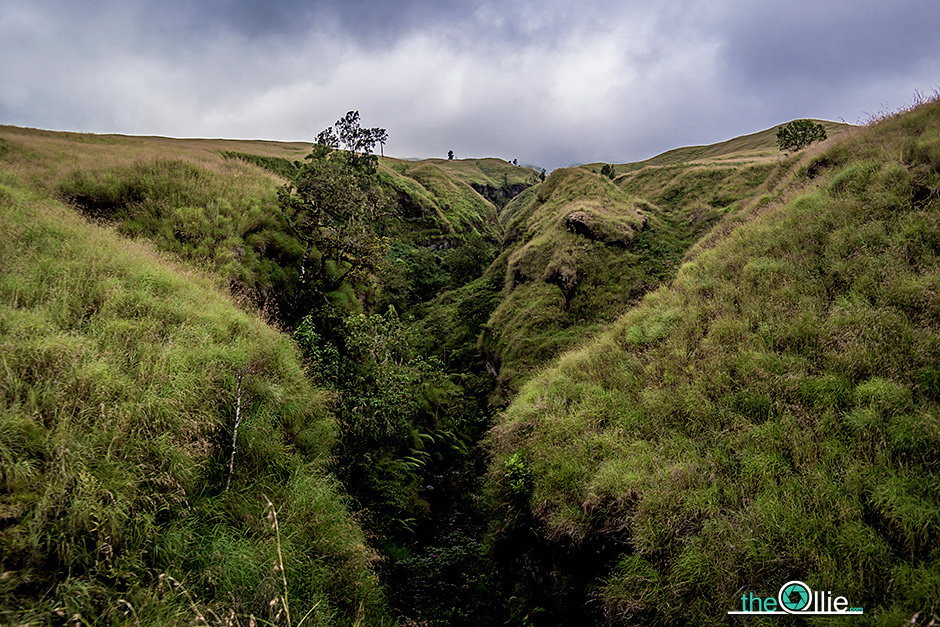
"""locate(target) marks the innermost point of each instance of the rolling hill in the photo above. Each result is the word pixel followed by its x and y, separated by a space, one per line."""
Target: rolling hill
pixel 751 147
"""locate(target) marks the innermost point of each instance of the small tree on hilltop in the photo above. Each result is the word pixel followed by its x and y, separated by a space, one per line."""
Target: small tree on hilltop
pixel 608 171
pixel 799 134
pixel 450 155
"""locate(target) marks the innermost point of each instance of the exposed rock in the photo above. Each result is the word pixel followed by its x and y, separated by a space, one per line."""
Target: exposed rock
pixel 579 223
pixel 817 166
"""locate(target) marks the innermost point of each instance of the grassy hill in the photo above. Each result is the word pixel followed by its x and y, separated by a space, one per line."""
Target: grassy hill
pixel 488 171
pixel 717 370
pixel 572 250
pixel 771 414
pixel 213 203
pixel 753 147
pixel 122 379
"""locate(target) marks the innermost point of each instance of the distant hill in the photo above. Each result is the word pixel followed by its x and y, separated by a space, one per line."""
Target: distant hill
pixel 754 146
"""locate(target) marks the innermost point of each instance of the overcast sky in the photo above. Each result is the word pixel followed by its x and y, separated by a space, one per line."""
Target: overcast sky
pixel 550 83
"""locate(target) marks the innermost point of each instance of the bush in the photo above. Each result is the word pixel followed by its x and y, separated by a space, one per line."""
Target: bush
pixel 799 134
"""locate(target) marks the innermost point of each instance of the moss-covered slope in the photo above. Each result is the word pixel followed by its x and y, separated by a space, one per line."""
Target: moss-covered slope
pixel 773 414
pixel 122 379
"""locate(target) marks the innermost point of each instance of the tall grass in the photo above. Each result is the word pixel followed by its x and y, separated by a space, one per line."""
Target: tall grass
pixel 119 377
pixel 773 414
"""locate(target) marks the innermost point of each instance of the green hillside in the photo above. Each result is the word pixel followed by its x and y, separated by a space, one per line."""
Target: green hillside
pixel 487 171
pixel 579 250
pixel 469 395
pixel 213 203
pixel 402 417
pixel 771 414
pixel 122 379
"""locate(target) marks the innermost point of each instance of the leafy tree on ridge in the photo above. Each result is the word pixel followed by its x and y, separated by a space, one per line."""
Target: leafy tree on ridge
pixel 332 205
pixel 799 134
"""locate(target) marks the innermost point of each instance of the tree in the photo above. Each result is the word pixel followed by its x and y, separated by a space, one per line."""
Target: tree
pixel 450 154
pixel 515 162
pixel 357 143
pixel 799 134
pixel 608 171
pixel 332 205
pixel 542 174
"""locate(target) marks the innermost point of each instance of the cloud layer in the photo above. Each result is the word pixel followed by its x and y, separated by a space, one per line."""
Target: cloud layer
pixel 550 82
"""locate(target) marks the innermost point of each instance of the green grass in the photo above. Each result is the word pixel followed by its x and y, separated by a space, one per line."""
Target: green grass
pixel 772 414
pixel 219 221
pixel 769 413
pixel 485 172
pixel 280 166
pixel 213 204
pixel 119 381
pixel 459 209
pixel 563 281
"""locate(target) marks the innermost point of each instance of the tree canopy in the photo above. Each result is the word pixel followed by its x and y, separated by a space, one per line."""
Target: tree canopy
pixel 799 134
pixel 332 205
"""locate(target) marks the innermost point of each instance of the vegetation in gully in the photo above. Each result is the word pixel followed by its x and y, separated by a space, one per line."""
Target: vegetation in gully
pixel 253 383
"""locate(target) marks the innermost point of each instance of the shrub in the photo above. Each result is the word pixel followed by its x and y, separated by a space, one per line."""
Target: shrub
pixel 799 134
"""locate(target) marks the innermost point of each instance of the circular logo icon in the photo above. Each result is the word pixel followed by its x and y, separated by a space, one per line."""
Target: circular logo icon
pixel 794 596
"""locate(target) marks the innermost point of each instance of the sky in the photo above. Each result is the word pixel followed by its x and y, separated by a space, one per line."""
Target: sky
pixel 549 83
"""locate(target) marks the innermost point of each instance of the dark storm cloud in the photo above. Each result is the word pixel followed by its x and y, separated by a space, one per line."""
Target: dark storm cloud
pixel 546 82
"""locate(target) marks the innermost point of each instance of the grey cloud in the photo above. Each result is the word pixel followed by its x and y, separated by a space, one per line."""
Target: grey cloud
pixel 546 82
pixel 844 42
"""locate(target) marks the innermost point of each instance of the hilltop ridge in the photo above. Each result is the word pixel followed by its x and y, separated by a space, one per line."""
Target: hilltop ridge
pixel 751 147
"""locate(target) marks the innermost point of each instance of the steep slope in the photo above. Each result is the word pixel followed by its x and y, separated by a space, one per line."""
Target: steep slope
pixel 465 191
pixel 496 180
pixel 579 249
pixel 569 245
pixel 145 421
pixel 773 414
